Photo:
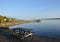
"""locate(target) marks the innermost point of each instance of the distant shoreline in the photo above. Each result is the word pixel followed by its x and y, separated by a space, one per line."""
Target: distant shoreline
pixel 7 24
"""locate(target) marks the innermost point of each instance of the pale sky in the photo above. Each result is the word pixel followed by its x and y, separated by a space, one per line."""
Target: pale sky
pixel 30 9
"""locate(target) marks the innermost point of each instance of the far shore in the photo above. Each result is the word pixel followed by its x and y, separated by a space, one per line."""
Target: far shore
pixel 7 24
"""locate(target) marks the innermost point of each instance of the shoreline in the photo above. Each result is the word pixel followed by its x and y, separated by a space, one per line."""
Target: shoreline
pixel 7 24
pixel 4 36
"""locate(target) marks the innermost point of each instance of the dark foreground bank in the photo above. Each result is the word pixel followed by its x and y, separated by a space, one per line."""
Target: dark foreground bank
pixel 5 37
pixel 31 39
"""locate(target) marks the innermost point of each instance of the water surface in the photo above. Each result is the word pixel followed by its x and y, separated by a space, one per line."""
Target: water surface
pixel 50 28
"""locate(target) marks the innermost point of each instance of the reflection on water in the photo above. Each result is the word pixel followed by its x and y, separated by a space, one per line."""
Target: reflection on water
pixel 50 28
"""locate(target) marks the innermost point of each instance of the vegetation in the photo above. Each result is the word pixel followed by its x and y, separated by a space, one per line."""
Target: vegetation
pixel 1 19
pixel 6 19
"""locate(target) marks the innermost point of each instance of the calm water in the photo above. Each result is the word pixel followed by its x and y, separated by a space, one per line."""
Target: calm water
pixel 50 28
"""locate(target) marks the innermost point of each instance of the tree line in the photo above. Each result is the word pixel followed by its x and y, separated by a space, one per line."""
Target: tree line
pixel 6 19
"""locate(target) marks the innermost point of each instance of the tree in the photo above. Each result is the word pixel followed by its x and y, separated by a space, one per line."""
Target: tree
pixel 1 19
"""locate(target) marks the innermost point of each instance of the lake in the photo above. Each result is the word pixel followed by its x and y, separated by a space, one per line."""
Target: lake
pixel 50 28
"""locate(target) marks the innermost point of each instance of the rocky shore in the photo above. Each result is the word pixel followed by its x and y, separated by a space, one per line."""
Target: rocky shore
pixel 5 37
